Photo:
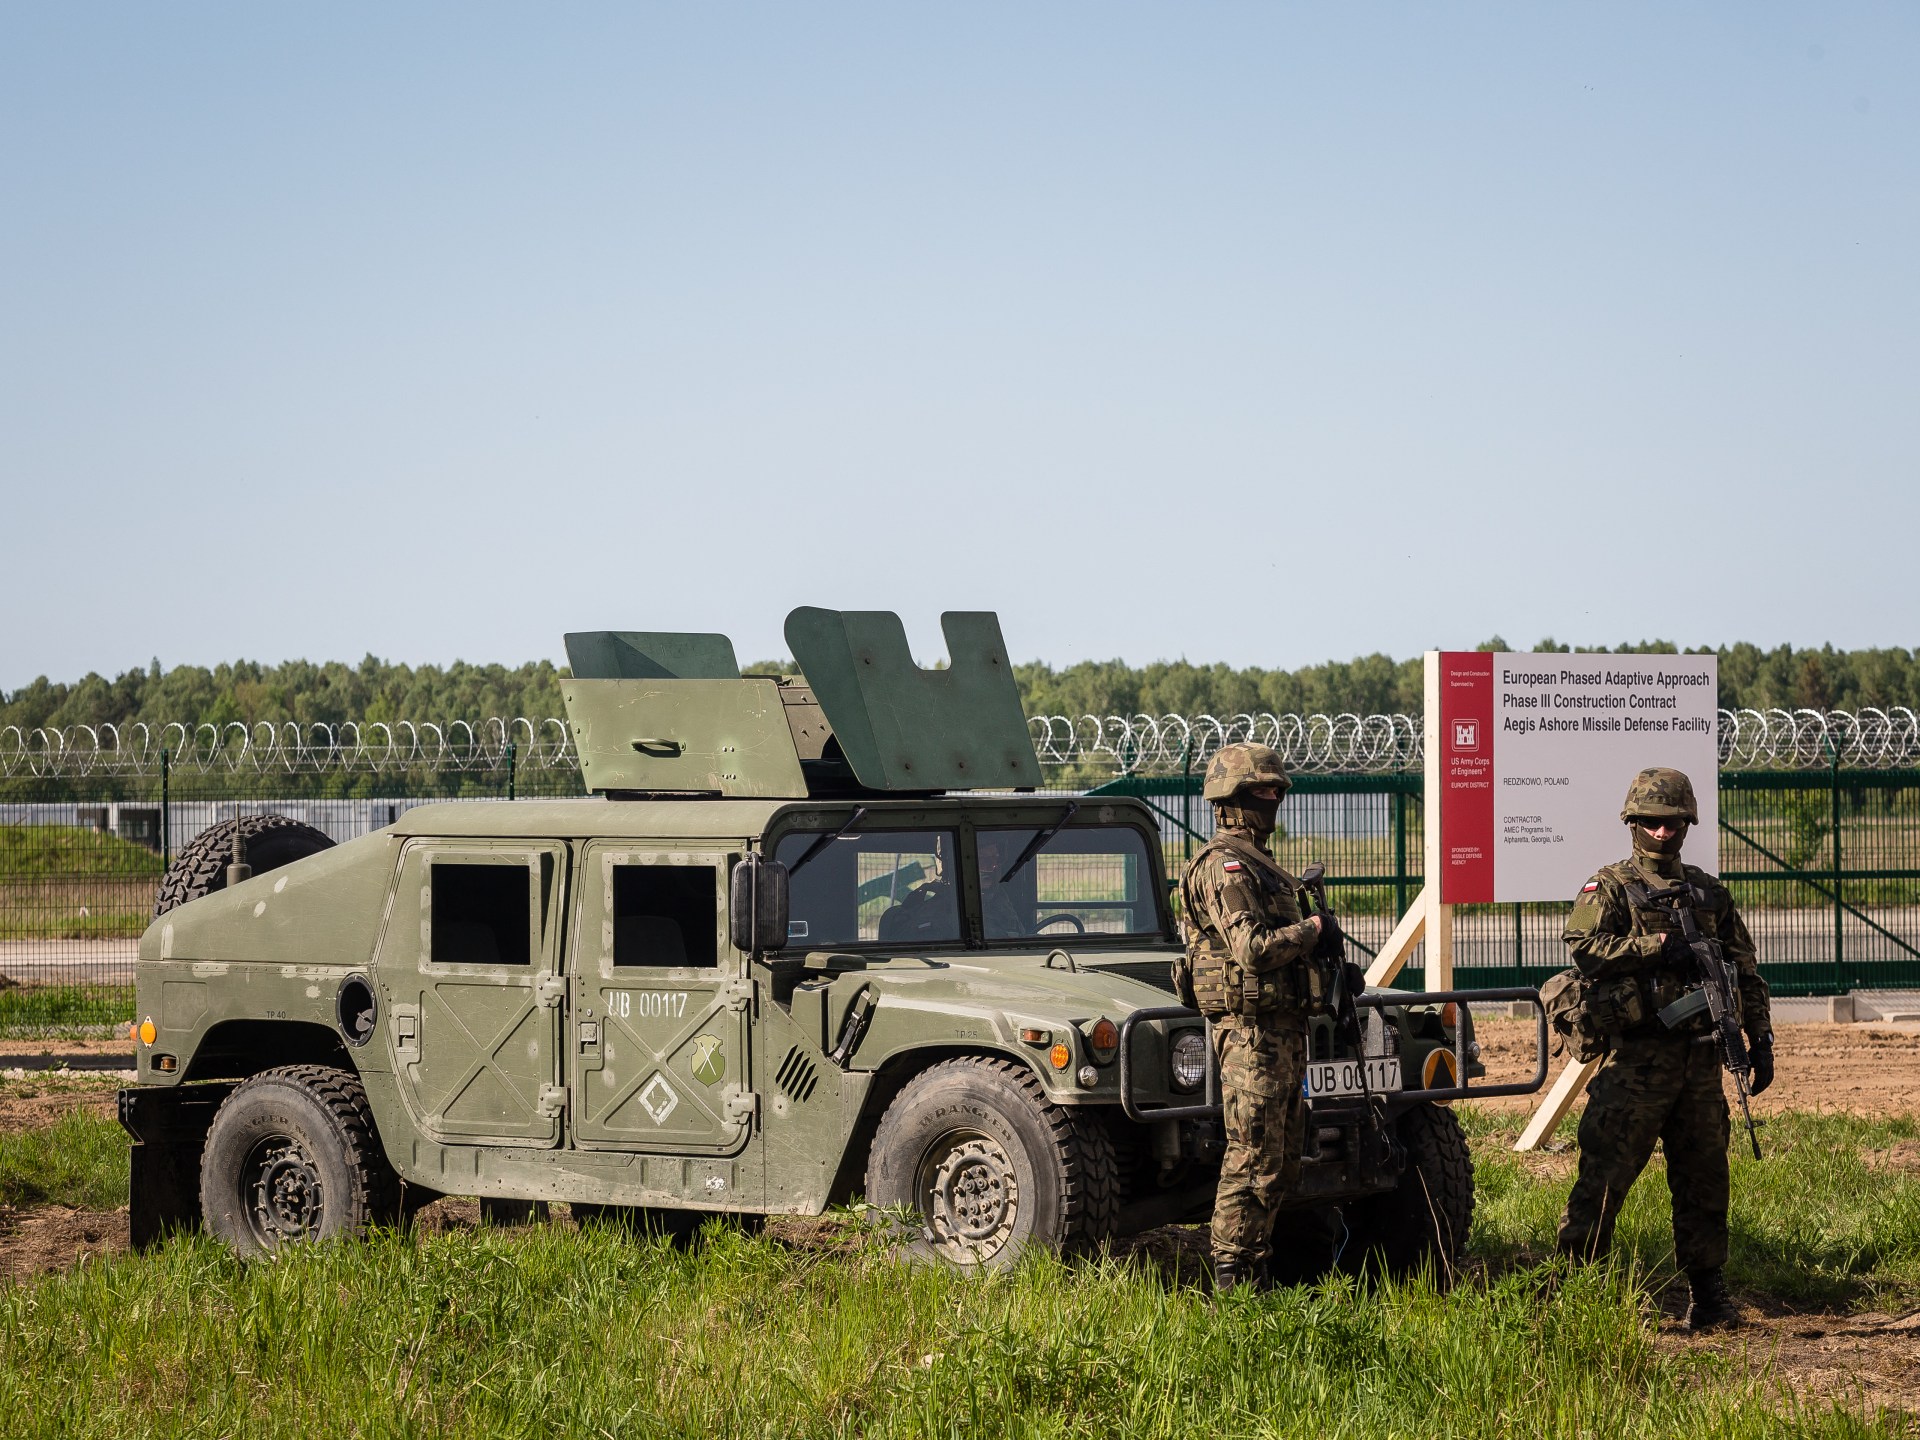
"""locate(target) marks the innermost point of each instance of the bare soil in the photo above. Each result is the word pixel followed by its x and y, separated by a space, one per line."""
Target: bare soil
pixel 54 1238
pixel 1869 1361
pixel 1869 1070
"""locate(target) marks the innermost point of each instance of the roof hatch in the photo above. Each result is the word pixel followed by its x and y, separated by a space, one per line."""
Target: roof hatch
pixel 666 713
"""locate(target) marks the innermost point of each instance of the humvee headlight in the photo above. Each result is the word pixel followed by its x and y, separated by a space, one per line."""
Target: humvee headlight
pixel 1189 1060
pixel 1104 1040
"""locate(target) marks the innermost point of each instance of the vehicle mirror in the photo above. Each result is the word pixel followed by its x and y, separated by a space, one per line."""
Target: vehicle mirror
pixel 757 907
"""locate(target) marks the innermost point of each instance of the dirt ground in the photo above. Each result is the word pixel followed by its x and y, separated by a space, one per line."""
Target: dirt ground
pixel 1871 1069
pixel 1861 1360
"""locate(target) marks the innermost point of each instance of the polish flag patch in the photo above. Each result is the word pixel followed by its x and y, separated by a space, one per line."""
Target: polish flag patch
pixel 1589 887
pixel 1232 867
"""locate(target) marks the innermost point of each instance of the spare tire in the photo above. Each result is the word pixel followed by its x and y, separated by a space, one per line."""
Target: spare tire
pixel 266 842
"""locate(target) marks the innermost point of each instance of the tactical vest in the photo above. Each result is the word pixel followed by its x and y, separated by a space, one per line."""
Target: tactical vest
pixel 1210 978
pixel 1589 1013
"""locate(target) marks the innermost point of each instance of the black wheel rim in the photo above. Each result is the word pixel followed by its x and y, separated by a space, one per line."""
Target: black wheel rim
pixel 969 1196
pixel 281 1191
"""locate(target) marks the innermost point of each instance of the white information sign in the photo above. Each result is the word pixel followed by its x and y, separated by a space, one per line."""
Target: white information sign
pixel 1536 752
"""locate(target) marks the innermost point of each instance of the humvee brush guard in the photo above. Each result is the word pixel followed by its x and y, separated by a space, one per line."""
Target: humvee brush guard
pixel 812 938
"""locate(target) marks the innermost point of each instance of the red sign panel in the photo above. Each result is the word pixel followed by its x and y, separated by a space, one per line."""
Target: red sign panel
pixel 1466 778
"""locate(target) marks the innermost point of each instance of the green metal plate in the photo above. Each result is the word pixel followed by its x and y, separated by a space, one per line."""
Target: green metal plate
pixel 650 655
pixel 723 737
pixel 905 728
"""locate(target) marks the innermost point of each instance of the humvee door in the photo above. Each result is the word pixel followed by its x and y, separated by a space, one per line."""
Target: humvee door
pixel 661 1003
pixel 469 962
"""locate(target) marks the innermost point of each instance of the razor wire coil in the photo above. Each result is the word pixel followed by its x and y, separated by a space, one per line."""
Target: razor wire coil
pixel 1867 738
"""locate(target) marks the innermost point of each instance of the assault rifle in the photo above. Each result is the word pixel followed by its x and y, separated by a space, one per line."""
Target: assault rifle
pixel 1717 993
pixel 1343 981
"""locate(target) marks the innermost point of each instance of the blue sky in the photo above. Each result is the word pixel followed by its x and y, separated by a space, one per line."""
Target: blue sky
pixel 1257 333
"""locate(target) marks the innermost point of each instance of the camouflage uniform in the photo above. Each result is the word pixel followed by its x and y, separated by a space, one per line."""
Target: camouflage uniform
pixel 1246 944
pixel 1656 1083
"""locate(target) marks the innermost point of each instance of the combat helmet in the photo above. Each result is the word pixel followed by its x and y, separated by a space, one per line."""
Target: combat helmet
pixel 1658 792
pixel 1235 767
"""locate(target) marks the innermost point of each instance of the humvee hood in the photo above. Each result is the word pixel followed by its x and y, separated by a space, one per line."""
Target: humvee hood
pixel 323 910
pixel 1027 984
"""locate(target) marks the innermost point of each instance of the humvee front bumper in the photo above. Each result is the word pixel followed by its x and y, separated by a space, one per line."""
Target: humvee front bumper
pixel 1209 1108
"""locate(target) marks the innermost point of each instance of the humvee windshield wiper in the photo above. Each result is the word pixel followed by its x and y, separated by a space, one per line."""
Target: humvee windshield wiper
pixel 1073 808
pixel 825 840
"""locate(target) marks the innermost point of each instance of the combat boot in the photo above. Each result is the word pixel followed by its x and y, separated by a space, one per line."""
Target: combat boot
pixel 1712 1307
pixel 1229 1275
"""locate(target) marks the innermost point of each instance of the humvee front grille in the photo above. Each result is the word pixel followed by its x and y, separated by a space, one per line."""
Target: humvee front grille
pixel 796 1076
pixel 1157 973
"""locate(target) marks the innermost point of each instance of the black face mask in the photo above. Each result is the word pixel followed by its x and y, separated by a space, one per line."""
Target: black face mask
pixel 1245 813
pixel 1657 848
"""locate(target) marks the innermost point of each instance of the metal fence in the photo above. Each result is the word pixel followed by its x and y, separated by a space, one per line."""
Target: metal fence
pixel 1825 862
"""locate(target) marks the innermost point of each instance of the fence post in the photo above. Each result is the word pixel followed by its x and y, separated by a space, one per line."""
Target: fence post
pixel 1519 943
pixel 1840 985
pixel 166 810
pixel 511 752
pixel 1186 800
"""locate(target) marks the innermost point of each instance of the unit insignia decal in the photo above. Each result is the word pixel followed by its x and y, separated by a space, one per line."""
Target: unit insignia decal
pixel 658 1098
pixel 709 1065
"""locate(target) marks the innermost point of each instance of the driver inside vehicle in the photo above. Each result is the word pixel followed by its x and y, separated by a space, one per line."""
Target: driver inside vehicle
pixel 926 912
pixel 1000 906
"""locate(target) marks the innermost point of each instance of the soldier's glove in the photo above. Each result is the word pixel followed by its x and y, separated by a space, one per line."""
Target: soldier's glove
pixel 1353 979
pixel 1330 945
pixel 1760 1052
pixel 1675 950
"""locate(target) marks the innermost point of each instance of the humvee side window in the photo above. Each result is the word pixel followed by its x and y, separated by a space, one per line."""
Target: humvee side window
pixel 882 887
pixel 665 915
pixel 482 914
pixel 1085 880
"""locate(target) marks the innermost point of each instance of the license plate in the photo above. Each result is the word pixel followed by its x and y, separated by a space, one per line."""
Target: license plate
pixel 1329 1078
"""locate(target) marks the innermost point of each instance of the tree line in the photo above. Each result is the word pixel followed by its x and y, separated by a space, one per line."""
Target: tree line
pixel 373 690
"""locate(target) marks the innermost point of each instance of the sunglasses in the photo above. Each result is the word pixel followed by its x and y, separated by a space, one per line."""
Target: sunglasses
pixel 1659 822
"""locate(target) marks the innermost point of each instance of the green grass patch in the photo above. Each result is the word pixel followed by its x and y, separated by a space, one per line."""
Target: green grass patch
pixel 47 1009
pixel 1820 1219
pixel 79 1160
pixel 30 851
pixel 549 1331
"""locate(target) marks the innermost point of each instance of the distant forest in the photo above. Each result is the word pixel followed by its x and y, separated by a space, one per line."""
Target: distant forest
pixel 377 690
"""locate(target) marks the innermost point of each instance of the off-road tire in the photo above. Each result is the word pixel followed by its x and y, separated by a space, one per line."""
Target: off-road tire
pixel 974 1148
pixel 267 842
pixel 293 1155
pixel 1424 1220
pixel 1305 1245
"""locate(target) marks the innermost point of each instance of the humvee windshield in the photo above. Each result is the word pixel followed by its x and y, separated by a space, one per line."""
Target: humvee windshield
pixel 884 887
pixel 1084 880
pixel 873 888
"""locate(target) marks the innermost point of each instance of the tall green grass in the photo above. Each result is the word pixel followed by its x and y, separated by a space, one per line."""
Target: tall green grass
pixel 553 1332
pixel 547 1330
pixel 1814 1221
pixel 80 1160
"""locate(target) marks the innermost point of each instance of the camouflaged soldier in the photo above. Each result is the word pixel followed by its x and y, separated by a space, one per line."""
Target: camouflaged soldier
pixel 1655 1083
pixel 1248 969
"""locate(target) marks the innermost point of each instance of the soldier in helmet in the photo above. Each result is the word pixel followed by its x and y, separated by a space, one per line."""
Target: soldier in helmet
pixel 1248 969
pixel 1655 1083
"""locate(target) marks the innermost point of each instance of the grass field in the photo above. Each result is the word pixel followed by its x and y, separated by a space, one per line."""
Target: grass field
pixel 820 1331
pixel 62 882
pixel 50 1011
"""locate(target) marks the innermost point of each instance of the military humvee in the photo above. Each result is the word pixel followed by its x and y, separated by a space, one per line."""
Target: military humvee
pixel 808 939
